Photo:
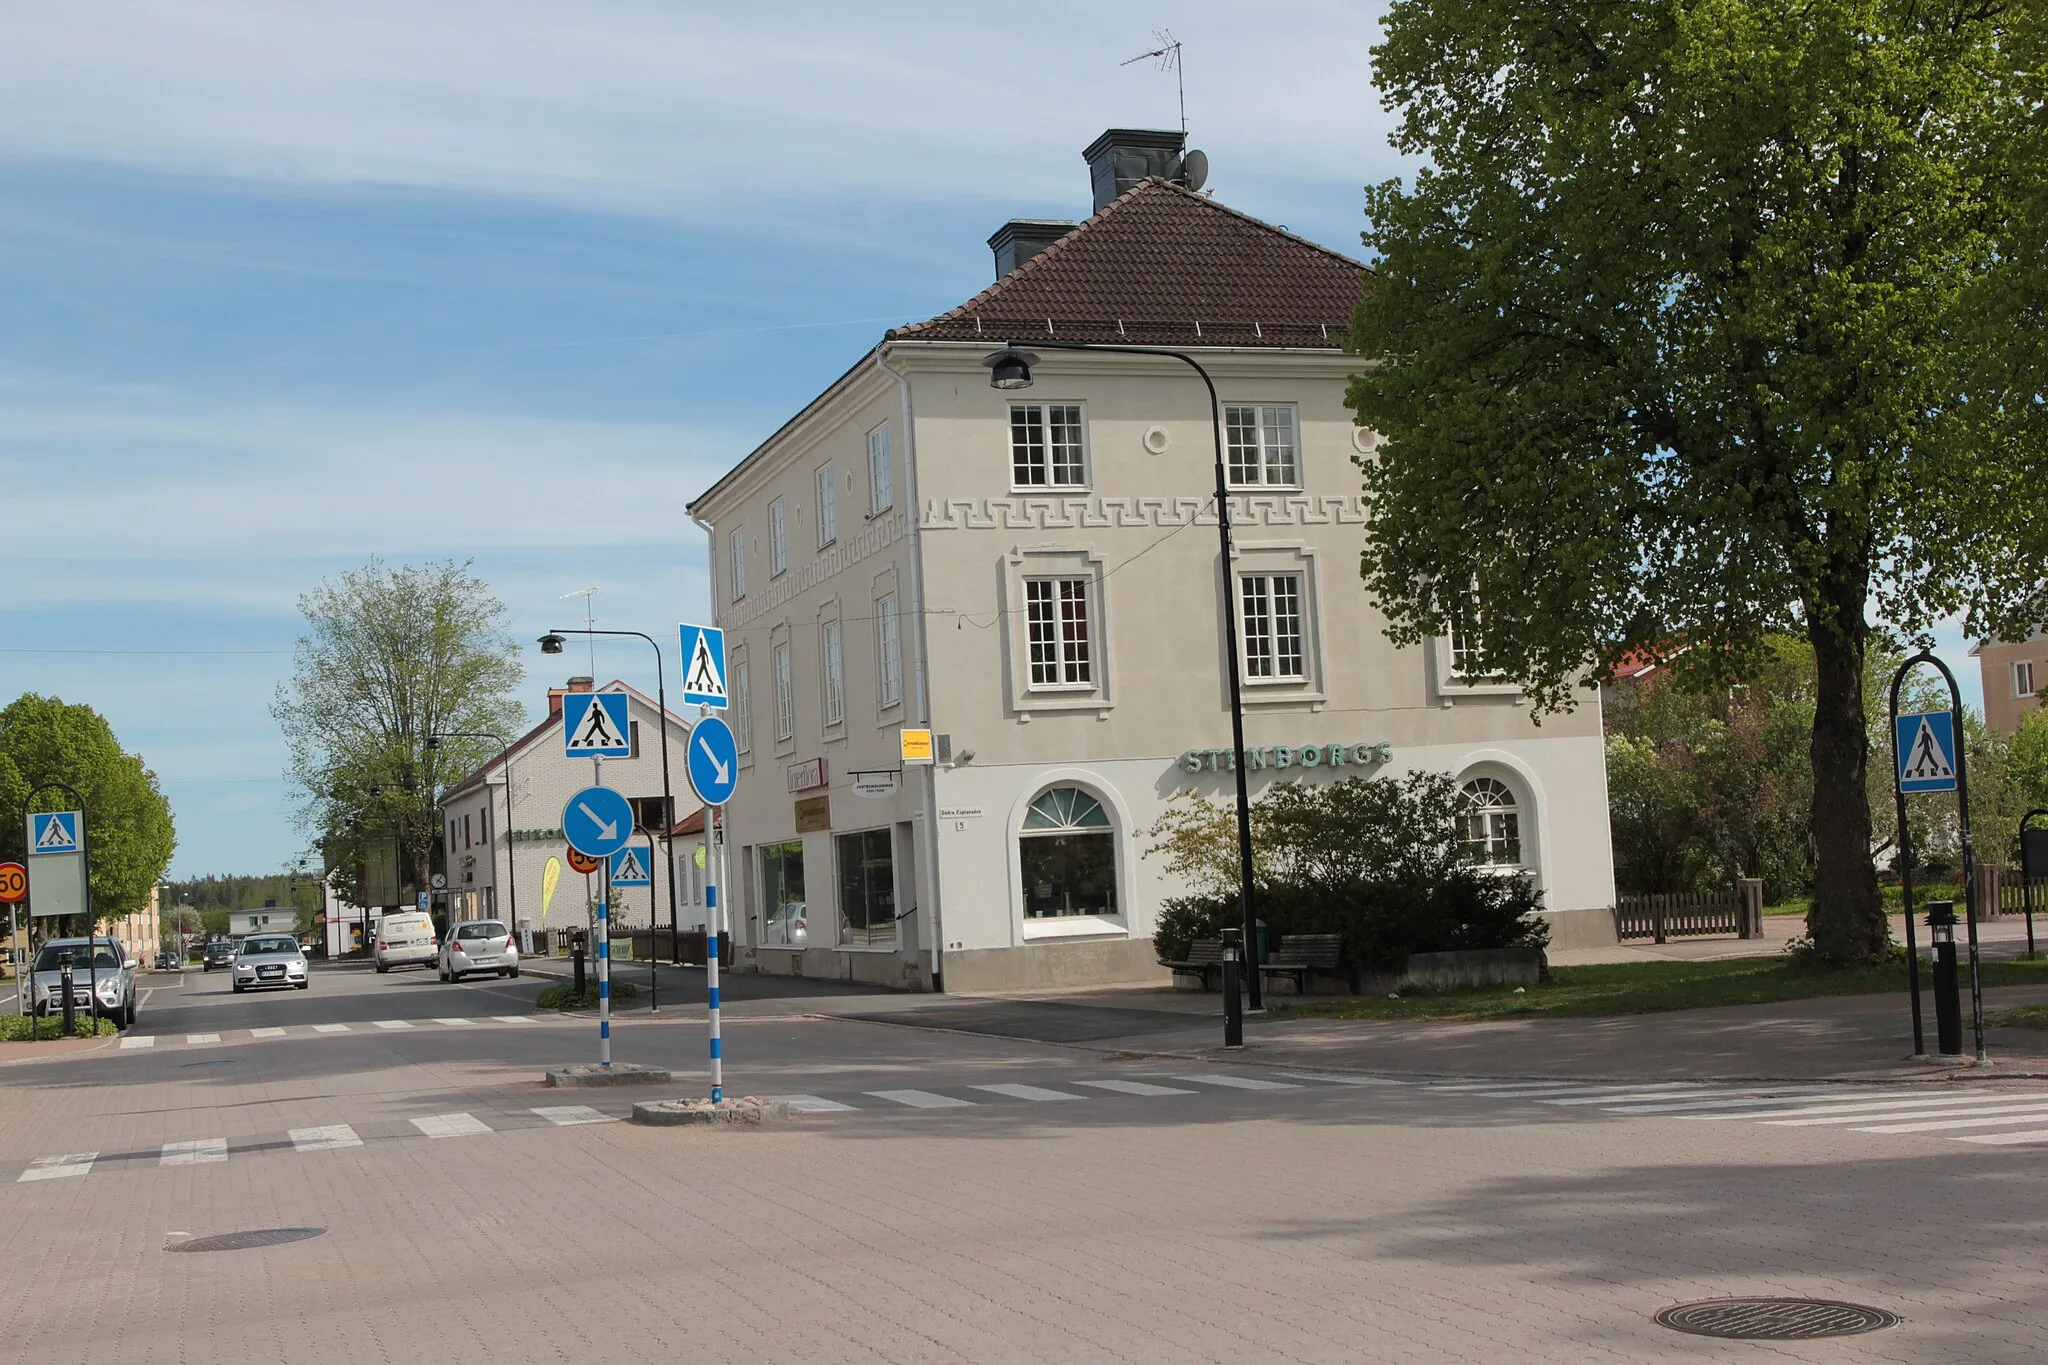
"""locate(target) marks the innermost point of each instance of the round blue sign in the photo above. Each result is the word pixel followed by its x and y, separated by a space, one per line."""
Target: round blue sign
pixel 714 766
pixel 597 822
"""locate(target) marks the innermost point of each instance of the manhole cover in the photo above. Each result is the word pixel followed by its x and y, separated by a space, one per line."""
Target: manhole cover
pixel 246 1241
pixel 1775 1319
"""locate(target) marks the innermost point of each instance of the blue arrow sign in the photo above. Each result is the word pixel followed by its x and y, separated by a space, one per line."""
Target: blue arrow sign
pixel 53 832
pixel 1927 752
pixel 704 666
pixel 714 766
pixel 629 867
pixel 597 822
pixel 596 725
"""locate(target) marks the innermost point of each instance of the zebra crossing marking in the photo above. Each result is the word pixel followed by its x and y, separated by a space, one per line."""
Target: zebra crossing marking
pixel 201 1039
pixel 330 1028
pixel 569 1115
pixel 1996 1118
pixel 266 1033
pixel 1037 1093
pixel 325 1139
pixel 132 1042
pixel 920 1099
pixel 202 1152
pixel 451 1125
pixel 1852 1111
pixel 1237 1082
pixel 58 1167
pixel 1135 1087
pixel 394 1023
pixel 2007 1139
pixel 813 1104
pixel 452 1023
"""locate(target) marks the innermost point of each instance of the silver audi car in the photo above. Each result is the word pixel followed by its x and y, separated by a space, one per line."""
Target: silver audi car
pixel 270 960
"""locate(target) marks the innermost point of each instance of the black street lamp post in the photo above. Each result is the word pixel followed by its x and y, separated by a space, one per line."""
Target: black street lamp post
pixel 551 643
pixel 511 848
pixel 1010 369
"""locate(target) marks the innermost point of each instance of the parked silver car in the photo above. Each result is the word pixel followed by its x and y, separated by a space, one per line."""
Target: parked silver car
pixel 270 960
pixel 113 969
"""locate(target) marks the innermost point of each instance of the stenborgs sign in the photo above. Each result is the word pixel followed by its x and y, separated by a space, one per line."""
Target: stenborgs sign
pixel 1288 756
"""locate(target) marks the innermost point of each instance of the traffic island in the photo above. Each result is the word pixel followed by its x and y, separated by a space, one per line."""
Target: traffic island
pixel 750 1112
pixel 618 1073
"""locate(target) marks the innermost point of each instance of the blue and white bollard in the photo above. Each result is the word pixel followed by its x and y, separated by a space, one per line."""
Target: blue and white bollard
pixel 711 987
pixel 604 975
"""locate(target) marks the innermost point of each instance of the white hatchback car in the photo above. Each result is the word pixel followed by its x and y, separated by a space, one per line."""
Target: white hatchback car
pixel 483 945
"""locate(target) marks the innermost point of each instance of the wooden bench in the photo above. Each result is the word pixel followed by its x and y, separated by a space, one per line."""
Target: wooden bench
pixel 1300 955
pixel 1204 960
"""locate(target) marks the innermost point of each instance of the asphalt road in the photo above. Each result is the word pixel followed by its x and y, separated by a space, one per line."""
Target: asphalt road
pixel 959 1195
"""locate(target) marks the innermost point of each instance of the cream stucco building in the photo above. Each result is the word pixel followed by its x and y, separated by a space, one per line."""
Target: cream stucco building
pixel 1034 575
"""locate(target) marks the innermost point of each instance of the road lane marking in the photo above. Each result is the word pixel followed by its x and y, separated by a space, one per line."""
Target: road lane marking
pixel 452 1022
pixel 921 1099
pixel 1510 1087
pixel 812 1104
pixel 57 1167
pixel 330 1028
pixel 1626 1095
pixel 2007 1139
pixel 513 1019
pixel 131 1042
pixel 325 1139
pixel 1036 1093
pixel 197 1039
pixel 200 1153
pixel 1237 1082
pixel 569 1115
pixel 266 1033
pixel 394 1023
pixel 1746 1101
pixel 1135 1087
pixel 1995 1119
pixel 451 1125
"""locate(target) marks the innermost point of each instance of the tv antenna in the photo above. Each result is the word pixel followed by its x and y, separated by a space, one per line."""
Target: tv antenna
pixel 589 623
pixel 1167 54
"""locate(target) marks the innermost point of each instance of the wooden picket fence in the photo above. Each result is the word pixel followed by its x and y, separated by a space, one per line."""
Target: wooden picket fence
pixel 1692 914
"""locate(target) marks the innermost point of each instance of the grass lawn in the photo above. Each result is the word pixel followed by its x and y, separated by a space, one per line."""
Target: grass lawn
pixel 1648 987
pixel 2018 1016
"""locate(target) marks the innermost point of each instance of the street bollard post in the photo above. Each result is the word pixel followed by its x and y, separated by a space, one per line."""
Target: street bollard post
pixel 604 972
pixel 1948 994
pixel 70 1004
pixel 1233 1002
pixel 576 966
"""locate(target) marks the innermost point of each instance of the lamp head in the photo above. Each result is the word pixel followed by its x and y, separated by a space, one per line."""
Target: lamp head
pixel 551 643
pixel 433 741
pixel 1009 368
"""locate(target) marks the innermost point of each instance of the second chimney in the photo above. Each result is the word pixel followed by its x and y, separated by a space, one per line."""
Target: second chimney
pixel 1018 240
pixel 1121 157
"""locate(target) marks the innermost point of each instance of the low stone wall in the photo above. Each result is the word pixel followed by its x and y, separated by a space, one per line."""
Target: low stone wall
pixel 1473 968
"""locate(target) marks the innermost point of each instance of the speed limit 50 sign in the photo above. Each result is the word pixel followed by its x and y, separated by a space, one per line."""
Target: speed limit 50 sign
pixel 13 883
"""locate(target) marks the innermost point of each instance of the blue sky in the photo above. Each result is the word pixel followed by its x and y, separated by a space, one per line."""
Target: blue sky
pixel 291 285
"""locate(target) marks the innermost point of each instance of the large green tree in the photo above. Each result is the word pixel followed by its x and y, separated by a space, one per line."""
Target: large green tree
pixel 129 829
pixel 392 656
pixel 1680 334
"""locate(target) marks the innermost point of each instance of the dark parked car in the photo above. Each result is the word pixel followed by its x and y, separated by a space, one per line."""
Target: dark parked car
pixel 220 953
pixel 167 962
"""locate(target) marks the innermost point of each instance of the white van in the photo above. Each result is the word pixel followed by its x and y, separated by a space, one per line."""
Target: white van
pixel 406 937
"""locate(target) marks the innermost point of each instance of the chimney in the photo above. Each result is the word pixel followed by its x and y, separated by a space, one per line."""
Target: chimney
pixel 555 694
pixel 1018 240
pixel 1121 157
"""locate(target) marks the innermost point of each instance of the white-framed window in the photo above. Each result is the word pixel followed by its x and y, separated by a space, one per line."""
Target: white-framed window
pixel 1466 650
pixel 1271 625
pixel 742 707
pixel 1262 447
pixel 1057 628
pixel 736 554
pixel 2023 678
pixel 1492 821
pixel 832 665
pixel 785 694
pixel 1066 855
pixel 881 488
pixel 778 537
pixel 828 515
pixel 1046 445
pixel 888 652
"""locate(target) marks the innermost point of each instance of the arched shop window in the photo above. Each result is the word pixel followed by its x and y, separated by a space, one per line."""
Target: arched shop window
pixel 1492 821
pixel 1068 854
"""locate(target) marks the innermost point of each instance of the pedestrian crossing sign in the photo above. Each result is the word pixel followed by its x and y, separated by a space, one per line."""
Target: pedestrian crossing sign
pixel 704 666
pixel 53 832
pixel 1927 752
pixel 629 867
pixel 595 725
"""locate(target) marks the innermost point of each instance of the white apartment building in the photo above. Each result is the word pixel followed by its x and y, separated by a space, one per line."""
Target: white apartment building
pixel 1034 574
pixel 483 851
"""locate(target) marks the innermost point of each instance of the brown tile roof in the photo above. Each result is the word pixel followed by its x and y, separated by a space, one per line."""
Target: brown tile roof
pixel 1163 266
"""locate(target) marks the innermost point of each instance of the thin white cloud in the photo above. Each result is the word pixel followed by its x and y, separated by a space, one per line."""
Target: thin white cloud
pixel 696 110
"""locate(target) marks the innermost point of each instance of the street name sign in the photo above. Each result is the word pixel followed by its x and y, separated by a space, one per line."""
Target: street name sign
pixel 714 766
pixel 704 666
pixel 597 822
pixel 1927 752
pixel 596 725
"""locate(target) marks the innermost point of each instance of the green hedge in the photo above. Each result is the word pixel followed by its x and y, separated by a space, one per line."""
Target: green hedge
pixel 564 996
pixel 14 1028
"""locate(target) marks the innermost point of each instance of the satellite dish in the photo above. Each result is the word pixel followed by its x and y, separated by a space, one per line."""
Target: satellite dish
pixel 1194 169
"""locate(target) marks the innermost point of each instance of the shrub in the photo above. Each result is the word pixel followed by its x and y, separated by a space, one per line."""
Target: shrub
pixel 14 1028
pixel 564 997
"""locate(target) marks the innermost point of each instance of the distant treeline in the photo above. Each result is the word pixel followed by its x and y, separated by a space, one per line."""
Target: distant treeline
pixel 232 892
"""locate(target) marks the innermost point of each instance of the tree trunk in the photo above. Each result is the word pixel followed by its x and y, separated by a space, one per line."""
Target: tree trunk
pixel 1847 919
